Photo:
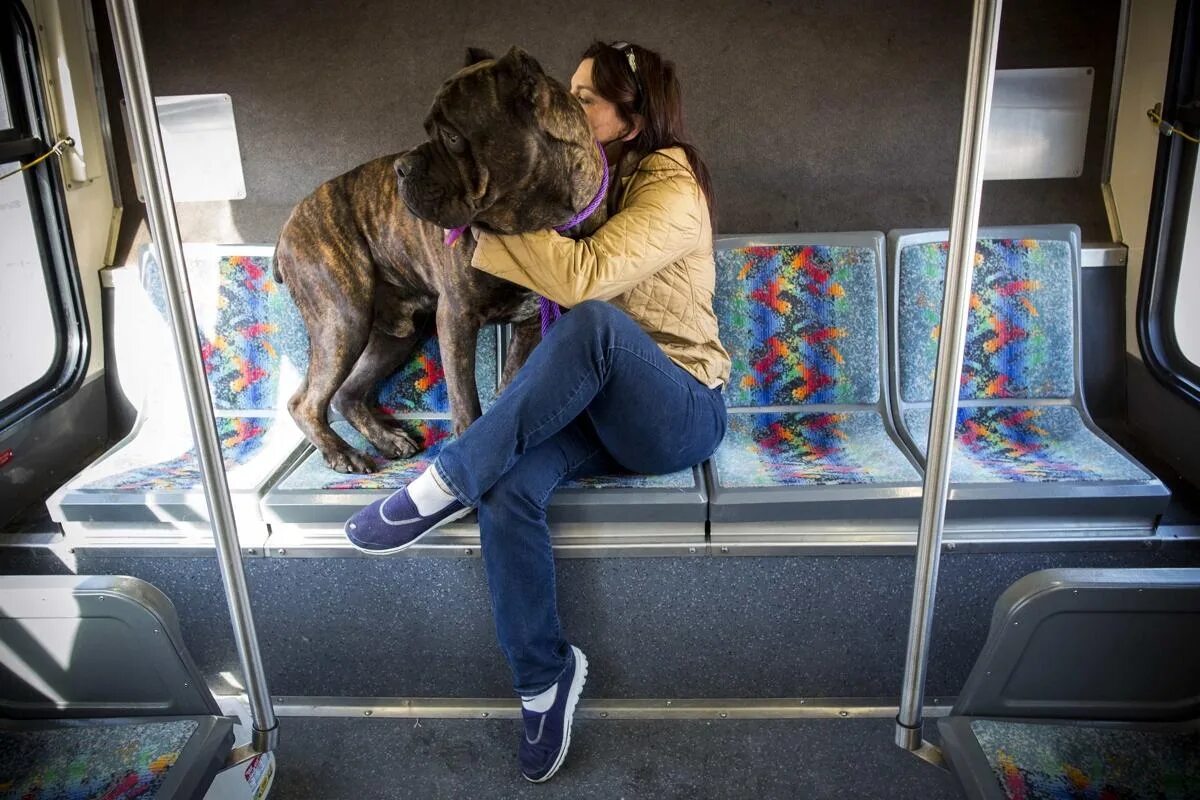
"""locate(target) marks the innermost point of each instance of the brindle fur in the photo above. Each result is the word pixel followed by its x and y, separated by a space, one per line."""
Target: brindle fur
pixel 364 259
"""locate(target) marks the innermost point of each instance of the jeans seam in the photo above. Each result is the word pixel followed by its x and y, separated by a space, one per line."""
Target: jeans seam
pixel 649 363
pixel 570 468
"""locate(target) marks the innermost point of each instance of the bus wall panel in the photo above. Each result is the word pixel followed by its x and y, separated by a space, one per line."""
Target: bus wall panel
pixel 813 116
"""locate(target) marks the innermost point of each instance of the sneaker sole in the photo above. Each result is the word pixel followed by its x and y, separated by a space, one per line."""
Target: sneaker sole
pixel 457 515
pixel 581 668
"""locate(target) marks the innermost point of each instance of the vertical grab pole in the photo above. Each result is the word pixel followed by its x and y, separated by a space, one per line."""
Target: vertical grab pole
pixel 964 226
pixel 164 227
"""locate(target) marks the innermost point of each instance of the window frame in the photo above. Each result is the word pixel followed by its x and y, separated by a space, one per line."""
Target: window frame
pixel 29 136
pixel 1174 175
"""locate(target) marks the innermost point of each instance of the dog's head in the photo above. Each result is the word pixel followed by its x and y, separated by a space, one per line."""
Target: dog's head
pixel 509 150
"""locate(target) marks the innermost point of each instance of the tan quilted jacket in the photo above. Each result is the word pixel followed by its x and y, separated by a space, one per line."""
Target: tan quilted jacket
pixel 653 259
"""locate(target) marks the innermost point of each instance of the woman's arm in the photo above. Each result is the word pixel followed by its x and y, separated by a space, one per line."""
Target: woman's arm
pixel 661 221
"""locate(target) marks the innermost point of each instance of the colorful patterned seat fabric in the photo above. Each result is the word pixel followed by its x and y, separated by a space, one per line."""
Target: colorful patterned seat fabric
pixel 1047 761
pixel 1020 347
pixel 153 476
pixel 801 323
pixel 91 761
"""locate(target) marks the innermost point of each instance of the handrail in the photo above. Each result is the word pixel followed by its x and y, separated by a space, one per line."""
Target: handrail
pixel 164 228
pixel 964 227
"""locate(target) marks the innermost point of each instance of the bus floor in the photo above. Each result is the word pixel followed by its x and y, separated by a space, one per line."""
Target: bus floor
pixel 335 758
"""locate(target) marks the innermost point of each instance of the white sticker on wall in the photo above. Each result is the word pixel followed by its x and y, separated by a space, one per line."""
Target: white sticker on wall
pixel 1039 121
pixel 200 139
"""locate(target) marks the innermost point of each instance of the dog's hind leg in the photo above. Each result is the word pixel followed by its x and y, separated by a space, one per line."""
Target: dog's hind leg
pixel 334 298
pixel 383 355
pixel 332 353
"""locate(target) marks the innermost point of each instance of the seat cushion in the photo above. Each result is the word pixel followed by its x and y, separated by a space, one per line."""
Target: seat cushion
pixel 313 474
pixel 1005 444
pixel 798 449
pixel 801 324
pixel 683 479
pixel 130 760
pixel 1046 760
pixel 1020 326
pixel 140 466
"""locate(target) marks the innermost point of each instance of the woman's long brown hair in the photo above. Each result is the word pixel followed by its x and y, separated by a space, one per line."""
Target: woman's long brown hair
pixel 653 94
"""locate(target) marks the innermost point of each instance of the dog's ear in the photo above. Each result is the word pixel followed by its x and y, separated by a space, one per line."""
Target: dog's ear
pixel 522 66
pixel 477 54
pixel 526 80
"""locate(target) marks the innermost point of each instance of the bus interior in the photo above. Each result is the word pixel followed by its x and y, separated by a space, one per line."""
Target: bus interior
pixel 958 555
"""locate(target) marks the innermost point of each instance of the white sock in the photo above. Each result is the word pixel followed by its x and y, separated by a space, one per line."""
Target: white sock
pixel 541 703
pixel 427 494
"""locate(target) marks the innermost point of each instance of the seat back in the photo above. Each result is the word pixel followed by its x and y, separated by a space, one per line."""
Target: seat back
pixel 101 646
pixel 1021 341
pixel 243 316
pixel 255 345
pixel 801 317
pixel 418 388
pixel 1098 644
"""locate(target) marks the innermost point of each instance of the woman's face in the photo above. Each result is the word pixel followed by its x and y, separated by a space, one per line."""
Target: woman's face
pixel 607 125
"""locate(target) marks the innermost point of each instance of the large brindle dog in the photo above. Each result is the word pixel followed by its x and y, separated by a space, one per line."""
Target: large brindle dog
pixel 509 151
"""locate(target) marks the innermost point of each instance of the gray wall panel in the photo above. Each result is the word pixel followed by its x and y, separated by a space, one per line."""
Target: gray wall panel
pixel 814 115
pixel 830 626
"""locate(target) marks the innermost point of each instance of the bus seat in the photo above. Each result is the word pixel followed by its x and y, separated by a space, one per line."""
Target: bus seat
pixel 1088 685
pixel 1023 432
pixel 810 450
pixel 149 482
pixel 80 715
pixel 308 505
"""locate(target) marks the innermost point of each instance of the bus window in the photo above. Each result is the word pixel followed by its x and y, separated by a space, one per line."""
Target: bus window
pixel 1168 326
pixel 43 339
pixel 26 318
pixel 1187 291
pixel 5 117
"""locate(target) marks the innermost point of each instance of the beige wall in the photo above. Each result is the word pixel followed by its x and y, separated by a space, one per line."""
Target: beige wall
pixel 1136 143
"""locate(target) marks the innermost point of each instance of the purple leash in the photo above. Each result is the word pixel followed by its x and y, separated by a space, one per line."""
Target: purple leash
pixel 548 310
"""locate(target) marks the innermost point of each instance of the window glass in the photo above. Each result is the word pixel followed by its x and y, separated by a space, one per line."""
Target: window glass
pixel 5 117
pixel 28 337
pixel 1187 292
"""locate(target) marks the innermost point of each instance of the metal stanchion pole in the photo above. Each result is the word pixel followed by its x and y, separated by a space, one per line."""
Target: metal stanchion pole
pixel 964 226
pixel 164 227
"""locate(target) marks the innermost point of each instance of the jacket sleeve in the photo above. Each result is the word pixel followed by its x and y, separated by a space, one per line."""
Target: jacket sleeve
pixel 661 221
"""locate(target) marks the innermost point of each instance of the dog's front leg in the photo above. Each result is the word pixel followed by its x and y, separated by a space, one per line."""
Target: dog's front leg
pixel 458 331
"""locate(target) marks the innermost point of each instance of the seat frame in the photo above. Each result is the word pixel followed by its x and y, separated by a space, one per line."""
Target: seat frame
pixel 173 520
pixel 1049 510
pixel 783 519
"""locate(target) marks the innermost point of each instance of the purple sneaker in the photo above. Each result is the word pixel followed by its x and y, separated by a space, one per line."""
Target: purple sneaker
pixel 393 523
pixel 548 736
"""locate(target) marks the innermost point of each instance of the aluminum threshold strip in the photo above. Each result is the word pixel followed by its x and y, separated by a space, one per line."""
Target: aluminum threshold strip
pixel 497 708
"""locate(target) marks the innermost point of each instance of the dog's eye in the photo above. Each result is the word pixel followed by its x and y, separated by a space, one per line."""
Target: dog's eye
pixel 453 141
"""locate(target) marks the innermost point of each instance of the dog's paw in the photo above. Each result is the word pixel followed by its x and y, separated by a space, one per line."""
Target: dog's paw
pixel 350 461
pixel 394 442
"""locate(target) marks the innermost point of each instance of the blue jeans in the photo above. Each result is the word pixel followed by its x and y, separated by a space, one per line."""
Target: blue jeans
pixel 597 395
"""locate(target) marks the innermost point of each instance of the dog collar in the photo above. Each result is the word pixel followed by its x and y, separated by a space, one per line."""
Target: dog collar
pixel 454 234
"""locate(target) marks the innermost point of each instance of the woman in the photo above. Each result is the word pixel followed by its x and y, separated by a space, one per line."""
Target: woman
pixel 629 379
